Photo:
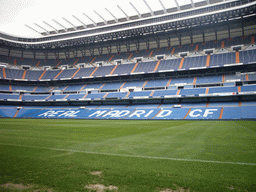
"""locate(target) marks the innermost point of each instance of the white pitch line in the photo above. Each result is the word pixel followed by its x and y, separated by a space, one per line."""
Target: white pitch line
pixel 136 156
pixel 70 153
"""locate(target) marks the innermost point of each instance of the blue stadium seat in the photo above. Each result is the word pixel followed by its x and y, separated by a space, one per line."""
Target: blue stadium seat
pixel 248 88
pixel 231 113
pixel 194 62
pixel 222 89
pixel 4 87
pixel 156 83
pixel 74 87
pixel 67 73
pixel 75 96
pixel 124 68
pixel 7 112
pixel 104 70
pixel 164 93
pixel 34 97
pixel 146 67
pixel 14 73
pixel 9 96
pixel 116 94
pixel 209 79
pixel 188 80
pixel 195 91
pixel 50 74
pixel 140 94
pixel 112 86
pixel 33 75
pixel 134 84
pixel 172 64
pixel 84 72
pixel 23 113
pixel 248 112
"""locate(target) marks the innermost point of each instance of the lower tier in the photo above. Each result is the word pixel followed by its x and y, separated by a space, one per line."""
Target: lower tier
pixel 167 112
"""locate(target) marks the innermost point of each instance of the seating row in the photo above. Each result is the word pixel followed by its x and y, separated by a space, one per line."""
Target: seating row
pixel 188 82
pixel 165 93
pixel 246 57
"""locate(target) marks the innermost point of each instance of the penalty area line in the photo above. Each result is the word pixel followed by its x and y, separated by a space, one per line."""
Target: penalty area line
pixel 135 156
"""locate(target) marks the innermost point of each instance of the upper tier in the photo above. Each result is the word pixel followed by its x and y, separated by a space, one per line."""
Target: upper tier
pixel 187 57
pixel 112 58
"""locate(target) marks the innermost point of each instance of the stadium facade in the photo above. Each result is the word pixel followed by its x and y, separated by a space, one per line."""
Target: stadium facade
pixel 195 61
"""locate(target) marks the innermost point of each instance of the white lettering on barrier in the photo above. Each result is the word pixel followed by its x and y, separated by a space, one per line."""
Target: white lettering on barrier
pixel 59 114
pixel 191 114
pixel 69 114
pixel 149 113
pixel 138 113
pixel 209 112
pixel 164 113
pixel 119 114
pixel 50 113
pixel 122 113
pixel 112 113
pixel 198 112
pixel 98 113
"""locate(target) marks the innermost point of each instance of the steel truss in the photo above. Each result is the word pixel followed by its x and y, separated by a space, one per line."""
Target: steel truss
pixel 147 34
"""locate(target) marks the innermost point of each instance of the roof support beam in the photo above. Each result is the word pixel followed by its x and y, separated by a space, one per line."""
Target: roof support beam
pixel 34 55
pixel 127 17
pixel 136 10
pixel 33 29
pixel 69 22
pixel 101 17
pixel 118 47
pixel 51 26
pixel 42 28
pixel 22 53
pixel 168 40
pixel 165 11
pixel 151 11
pixel 94 23
pixel 83 52
pixel 9 52
pixel 203 35
pixel 100 50
pixel 109 48
pixel 57 55
pixel 79 21
pixel 242 26
pixel 46 54
pixel 191 36
pixel 177 4
pixel 128 47
pixel 208 2
pixel 112 15
pixel 192 3
pixel 61 25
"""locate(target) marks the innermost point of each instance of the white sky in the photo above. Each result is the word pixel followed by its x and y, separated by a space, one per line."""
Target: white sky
pixel 14 14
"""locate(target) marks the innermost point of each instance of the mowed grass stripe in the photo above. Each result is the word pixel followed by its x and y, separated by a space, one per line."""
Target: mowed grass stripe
pixel 123 155
pixel 223 141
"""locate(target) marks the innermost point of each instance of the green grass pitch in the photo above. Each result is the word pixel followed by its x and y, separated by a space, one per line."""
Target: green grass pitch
pixel 84 155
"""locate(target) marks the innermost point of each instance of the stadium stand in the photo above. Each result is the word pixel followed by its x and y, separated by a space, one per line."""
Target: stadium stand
pixel 171 75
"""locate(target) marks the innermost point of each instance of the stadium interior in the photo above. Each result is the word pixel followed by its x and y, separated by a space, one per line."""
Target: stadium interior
pixel 195 61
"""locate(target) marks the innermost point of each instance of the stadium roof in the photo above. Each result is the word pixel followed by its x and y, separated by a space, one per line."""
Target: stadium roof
pixel 45 16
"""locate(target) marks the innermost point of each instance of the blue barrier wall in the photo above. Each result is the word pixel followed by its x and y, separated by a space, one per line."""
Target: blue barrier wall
pixel 194 113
